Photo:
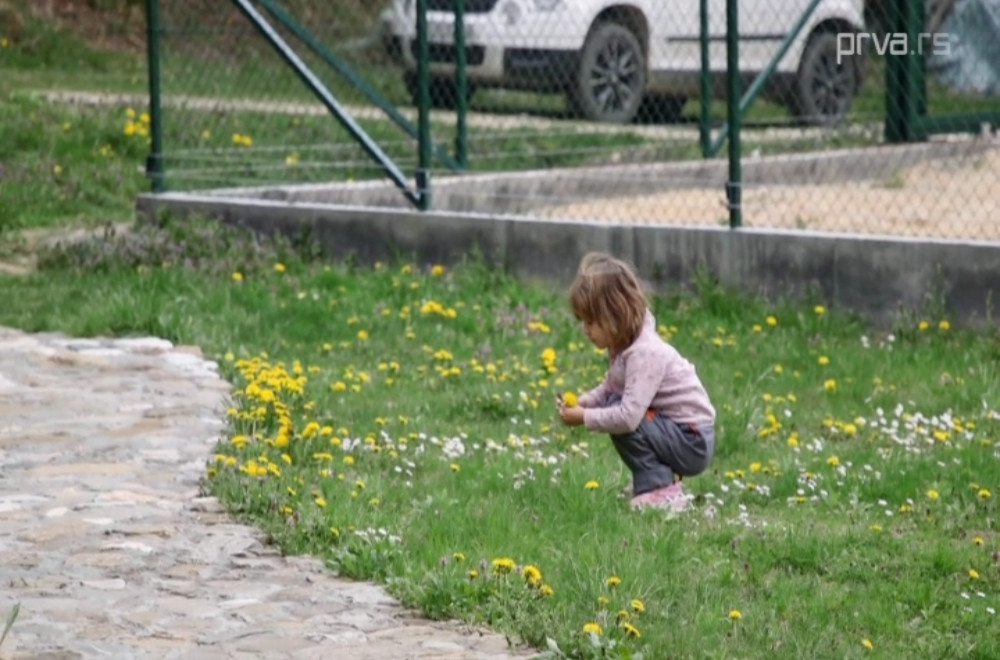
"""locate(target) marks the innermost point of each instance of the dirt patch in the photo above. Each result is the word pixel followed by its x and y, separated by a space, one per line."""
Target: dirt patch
pixel 956 198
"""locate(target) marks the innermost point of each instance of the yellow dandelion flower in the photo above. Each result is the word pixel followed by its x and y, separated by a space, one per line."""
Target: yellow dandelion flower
pixel 923 325
pixel 933 494
pixel 823 360
pixel 978 540
pixel 592 627
pixel 735 615
pixel 771 320
pixel 472 573
pixel 614 581
pixel 570 399
pixel 458 556
pixel 638 606
pixel 503 565
pixel 819 310
pixel 592 485
pixel 546 590
pixel 279 267
pixel 830 385
pixel 631 630
pixel 532 575
pixel 973 574
pixel 867 643
pixel 833 461
pixel 984 493
pixel 437 270
pixel 944 326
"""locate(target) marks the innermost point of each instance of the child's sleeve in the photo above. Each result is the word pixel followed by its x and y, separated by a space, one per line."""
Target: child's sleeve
pixel 595 397
pixel 643 375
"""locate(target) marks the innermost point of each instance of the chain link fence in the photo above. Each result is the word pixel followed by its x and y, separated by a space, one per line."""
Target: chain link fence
pixel 874 116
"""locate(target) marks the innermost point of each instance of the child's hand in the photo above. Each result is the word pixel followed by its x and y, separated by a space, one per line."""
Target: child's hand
pixel 571 415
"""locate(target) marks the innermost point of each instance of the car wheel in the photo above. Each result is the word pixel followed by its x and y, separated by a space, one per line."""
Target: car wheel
pixel 443 93
pixel 824 88
pixel 611 77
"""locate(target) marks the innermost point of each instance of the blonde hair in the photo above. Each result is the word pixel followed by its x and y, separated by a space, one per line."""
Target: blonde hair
pixel 607 292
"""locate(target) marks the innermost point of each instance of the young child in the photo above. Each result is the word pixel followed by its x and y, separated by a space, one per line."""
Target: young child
pixel 651 401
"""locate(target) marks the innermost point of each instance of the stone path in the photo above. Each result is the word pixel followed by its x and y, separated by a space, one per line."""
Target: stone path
pixel 110 550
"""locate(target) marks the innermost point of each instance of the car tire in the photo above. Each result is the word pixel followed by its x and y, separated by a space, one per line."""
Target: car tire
pixel 611 75
pixel 443 93
pixel 824 89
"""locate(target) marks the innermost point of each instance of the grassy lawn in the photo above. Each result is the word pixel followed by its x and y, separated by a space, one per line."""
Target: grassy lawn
pixel 399 422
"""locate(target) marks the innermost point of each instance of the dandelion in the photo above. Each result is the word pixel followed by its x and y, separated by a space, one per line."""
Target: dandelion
pixel 532 575
pixel 823 360
pixel 455 467
pixel 944 326
pixel 437 270
pixel 614 581
pixel 546 590
pixel 472 573
pixel 570 399
pixel 638 606
pixel 978 540
pixel 923 325
pixel 363 335
pixel 984 493
pixel 592 627
pixel 819 310
pixel 631 630
pixel 735 615
pixel 830 385
pixel 279 267
pixel 503 565
pixel 237 276
pixel 592 485
pixel 833 461
pixel 320 502
pixel 458 556
pixel 867 643
pixel 973 574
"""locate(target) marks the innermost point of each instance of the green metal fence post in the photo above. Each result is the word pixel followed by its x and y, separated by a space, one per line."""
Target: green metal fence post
pixel 734 115
pixel 705 118
pixel 424 122
pixel 461 87
pixel 901 76
pixel 154 161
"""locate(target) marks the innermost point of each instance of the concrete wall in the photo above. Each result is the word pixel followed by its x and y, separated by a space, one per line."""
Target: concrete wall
pixel 874 276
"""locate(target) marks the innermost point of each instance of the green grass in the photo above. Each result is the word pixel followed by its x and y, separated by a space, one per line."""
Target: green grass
pixel 421 403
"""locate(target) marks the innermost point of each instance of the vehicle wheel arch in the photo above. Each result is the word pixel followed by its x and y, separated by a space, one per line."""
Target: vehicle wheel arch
pixel 627 16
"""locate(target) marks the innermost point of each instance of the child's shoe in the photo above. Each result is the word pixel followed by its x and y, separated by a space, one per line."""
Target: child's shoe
pixel 670 497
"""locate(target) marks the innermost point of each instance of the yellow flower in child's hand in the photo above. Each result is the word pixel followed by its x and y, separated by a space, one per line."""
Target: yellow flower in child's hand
pixel 570 399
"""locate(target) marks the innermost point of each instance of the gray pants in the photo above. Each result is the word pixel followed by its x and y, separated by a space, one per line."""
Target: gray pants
pixel 660 450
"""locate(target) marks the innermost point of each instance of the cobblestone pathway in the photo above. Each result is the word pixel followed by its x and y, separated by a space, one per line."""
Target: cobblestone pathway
pixel 111 552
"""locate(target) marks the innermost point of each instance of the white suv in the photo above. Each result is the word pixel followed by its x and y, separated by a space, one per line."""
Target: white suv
pixel 611 56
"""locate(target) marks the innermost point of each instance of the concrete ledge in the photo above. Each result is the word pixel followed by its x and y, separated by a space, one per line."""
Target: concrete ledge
pixel 878 277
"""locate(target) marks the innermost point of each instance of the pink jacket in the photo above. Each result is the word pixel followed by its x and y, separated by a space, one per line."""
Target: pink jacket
pixel 649 374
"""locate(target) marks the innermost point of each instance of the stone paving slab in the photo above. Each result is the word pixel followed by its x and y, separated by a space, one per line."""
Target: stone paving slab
pixel 111 551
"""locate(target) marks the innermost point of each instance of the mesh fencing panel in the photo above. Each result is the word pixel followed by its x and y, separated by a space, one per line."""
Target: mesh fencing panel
pixel 874 117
